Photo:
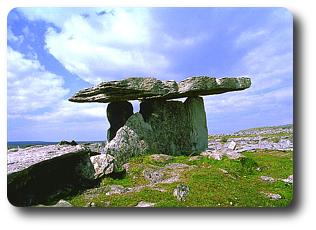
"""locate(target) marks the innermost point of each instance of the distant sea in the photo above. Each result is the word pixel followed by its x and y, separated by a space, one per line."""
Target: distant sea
pixel 24 144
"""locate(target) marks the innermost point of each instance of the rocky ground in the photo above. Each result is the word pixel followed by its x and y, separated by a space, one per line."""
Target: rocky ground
pixel 251 168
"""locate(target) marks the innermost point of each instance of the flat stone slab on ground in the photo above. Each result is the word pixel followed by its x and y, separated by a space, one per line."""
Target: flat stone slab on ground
pixel 24 158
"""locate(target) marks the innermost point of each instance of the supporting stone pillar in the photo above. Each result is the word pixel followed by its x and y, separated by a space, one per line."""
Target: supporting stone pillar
pixel 169 123
pixel 117 114
pixel 194 107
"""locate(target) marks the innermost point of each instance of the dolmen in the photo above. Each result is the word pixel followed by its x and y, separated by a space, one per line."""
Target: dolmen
pixel 162 125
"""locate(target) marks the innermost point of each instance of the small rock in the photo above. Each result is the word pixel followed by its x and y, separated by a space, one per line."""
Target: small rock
pixel 272 196
pixel 117 189
pixel 160 157
pixel 103 164
pixel 267 179
pixel 181 192
pixel 195 158
pixel 232 145
pixel 153 176
pixel 288 180
pixel 144 204
pixel 126 166
pixel 62 204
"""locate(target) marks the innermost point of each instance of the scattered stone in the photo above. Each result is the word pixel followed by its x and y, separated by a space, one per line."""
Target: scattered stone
pixel 233 155
pixel 103 164
pixel 231 145
pixel 133 139
pixel 181 192
pixel 176 166
pixel 60 204
pixel 160 157
pixel 195 158
pixel 154 176
pixel 267 179
pixel 117 189
pixel 126 166
pixel 288 180
pixel 117 113
pixel 144 204
pixel 273 196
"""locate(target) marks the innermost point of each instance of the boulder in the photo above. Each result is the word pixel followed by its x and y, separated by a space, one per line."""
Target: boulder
pixel 181 192
pixel 117 114
pixel 103 164
pixel 133 139
pixel 38 174
pixel 138 88
pixel 134 88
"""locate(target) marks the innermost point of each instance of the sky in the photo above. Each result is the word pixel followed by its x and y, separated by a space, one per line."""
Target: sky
pixel 54 52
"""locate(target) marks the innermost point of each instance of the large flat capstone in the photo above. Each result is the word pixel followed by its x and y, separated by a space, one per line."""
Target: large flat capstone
pixel 150 88
pixel 37 174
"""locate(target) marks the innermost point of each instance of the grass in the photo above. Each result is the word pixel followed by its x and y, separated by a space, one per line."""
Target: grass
pixel 212 183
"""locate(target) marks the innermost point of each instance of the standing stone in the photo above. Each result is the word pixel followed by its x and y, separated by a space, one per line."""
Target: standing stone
pixel 117 113
pixel 169 123
pixel 133 139
pixel 197 123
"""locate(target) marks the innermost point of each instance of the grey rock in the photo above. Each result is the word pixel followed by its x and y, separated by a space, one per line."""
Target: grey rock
pixel 181 192
pixel 154 176
pixel 144 204
pixel 231 145
pixel 273 196
pixel 288 180
pixel 117 113
pixel 35 174
pixel 128 89
pixel 133 139
pixel 267 179
pixel 103 164
pixel 117 189
pixel 160 157
pixel 62 204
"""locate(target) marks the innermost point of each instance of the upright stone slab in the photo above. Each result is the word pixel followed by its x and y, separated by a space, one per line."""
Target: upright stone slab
pixel 169 122
pixel 117 113
pixel 196 116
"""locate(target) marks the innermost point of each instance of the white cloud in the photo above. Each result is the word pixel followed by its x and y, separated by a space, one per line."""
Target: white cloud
pixel 69 112
pixel 96 43
pixel 30 86
pixel 249 36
